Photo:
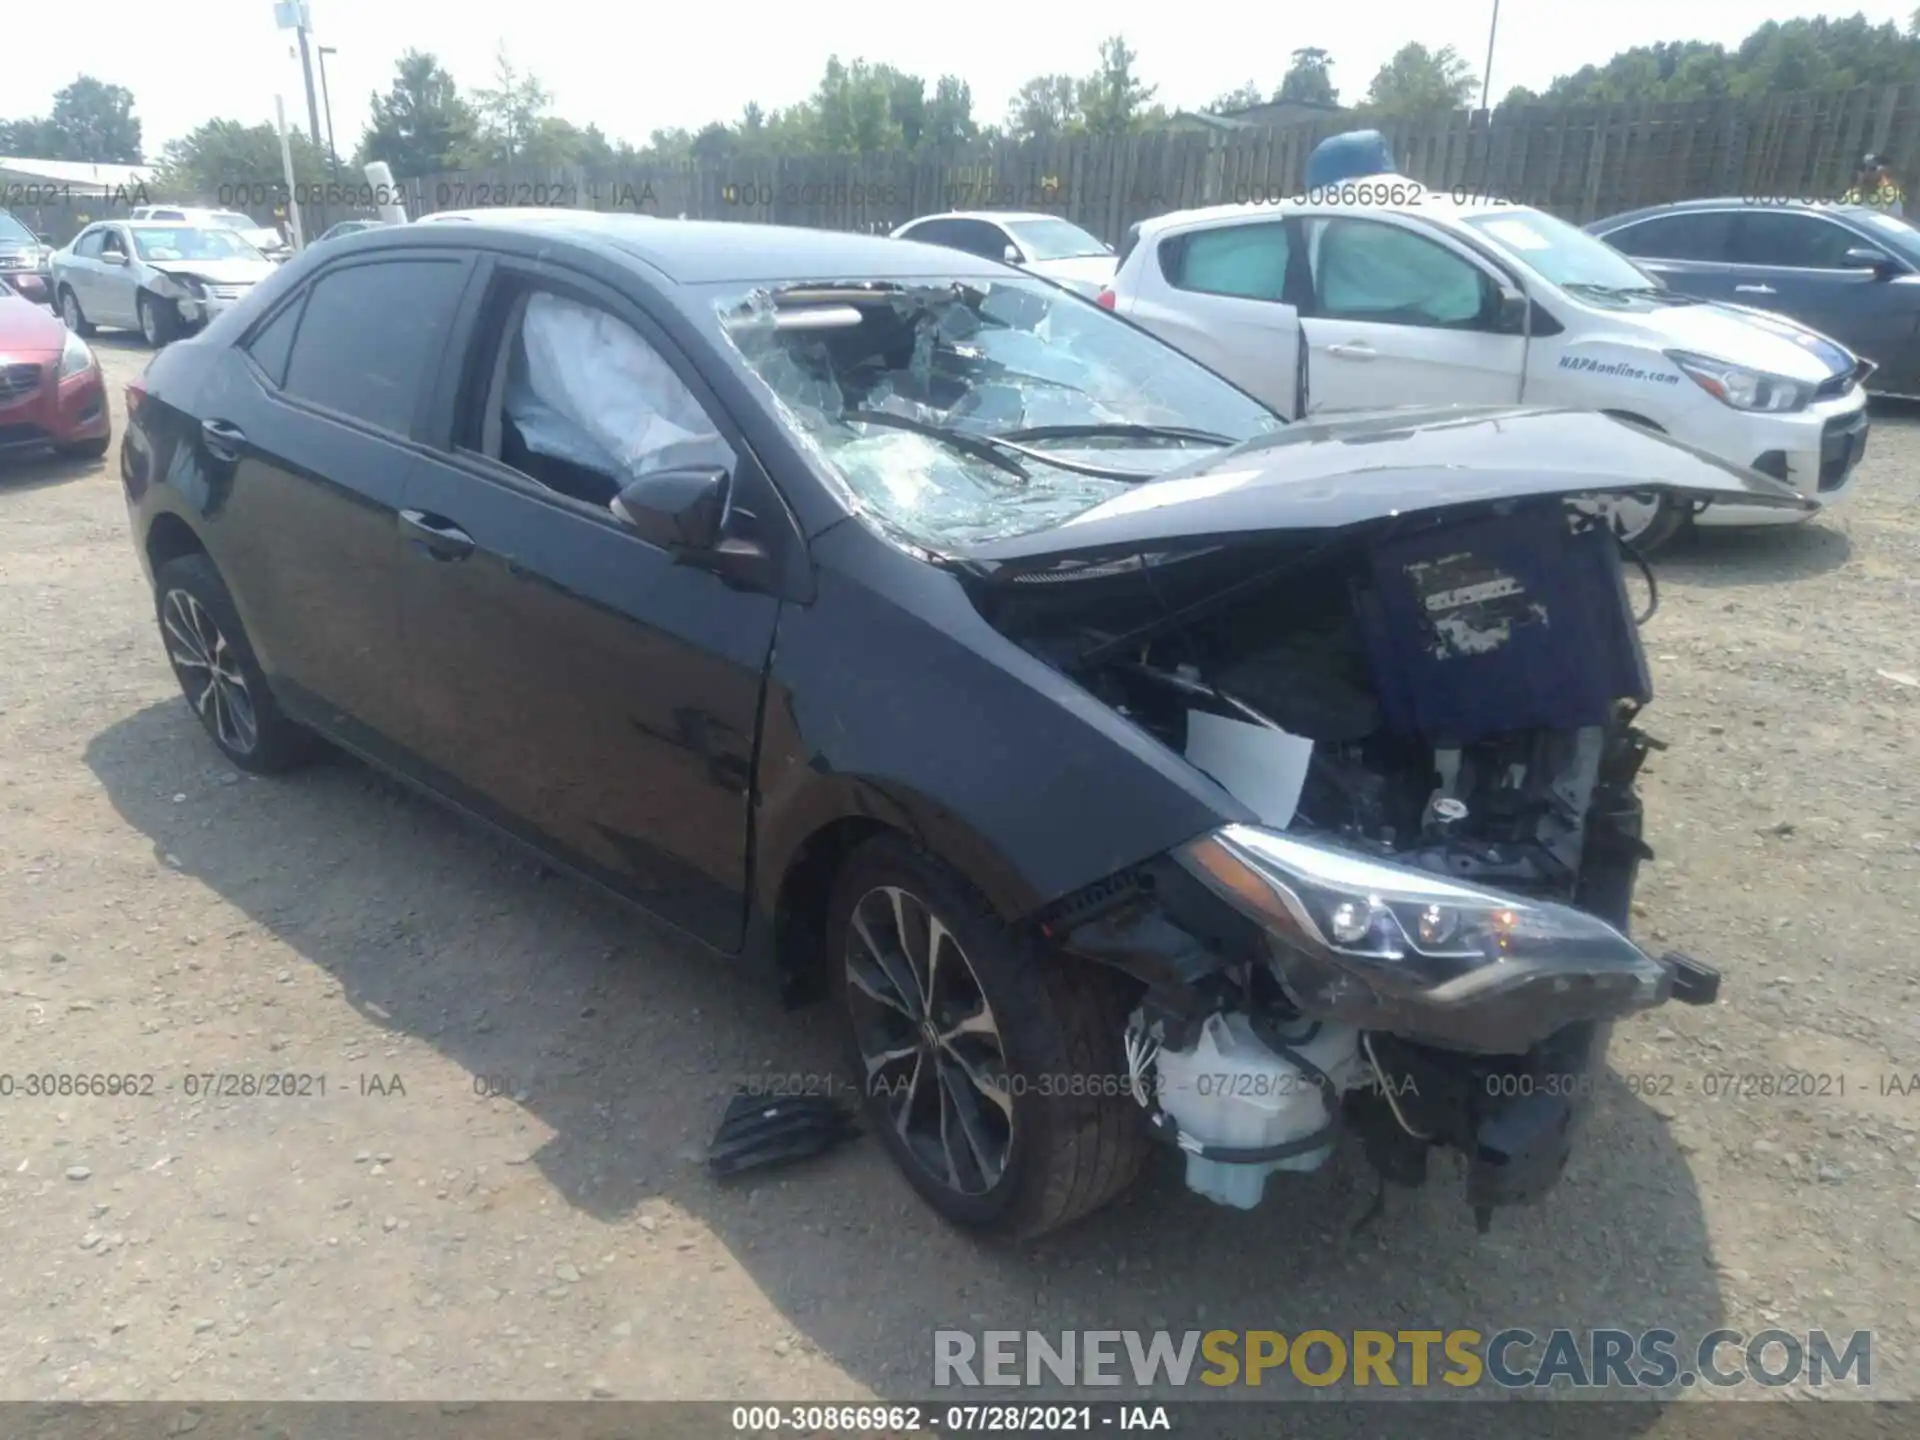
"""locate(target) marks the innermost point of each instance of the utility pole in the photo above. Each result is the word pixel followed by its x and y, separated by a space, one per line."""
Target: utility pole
pixel 326 103
pixel 295 16
pixel 1486 82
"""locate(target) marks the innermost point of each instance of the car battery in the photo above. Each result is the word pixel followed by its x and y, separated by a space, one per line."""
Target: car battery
pixel 1498 623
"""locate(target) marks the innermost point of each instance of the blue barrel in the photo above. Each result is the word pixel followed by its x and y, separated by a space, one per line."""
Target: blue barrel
pixel 1348 157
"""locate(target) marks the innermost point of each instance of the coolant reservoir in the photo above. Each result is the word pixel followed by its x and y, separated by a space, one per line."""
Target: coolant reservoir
pixel 1230 1089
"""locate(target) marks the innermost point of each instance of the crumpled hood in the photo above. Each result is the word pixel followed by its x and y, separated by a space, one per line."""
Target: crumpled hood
pixel 1758 339
pixel 1323 475
pixel 237 271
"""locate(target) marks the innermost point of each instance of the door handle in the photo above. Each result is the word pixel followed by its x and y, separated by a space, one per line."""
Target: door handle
pixel 1354 350
pixel 222 439
pixel 436 535
pixel 1754 290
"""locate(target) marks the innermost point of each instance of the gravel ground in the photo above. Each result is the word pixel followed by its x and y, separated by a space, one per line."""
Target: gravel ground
pixel 500 1195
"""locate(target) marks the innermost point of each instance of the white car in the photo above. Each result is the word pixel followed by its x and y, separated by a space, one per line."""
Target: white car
pixel 1043 245
pixel 264 238
pixel 1323 308
pixel 158 278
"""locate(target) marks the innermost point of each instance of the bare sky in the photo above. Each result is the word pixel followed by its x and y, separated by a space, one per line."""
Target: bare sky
pixel 631 68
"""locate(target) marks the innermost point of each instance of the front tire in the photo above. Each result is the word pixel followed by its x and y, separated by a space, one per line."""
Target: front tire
pixel 215 665
pixel 71 314
pixel 989 1067
pixel 159 321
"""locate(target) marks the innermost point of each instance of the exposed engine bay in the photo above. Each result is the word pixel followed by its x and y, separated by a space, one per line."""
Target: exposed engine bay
pixel 1450 694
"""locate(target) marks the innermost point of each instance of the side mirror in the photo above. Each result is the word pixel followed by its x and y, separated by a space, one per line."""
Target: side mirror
pixel 1510 310
pixel 1865 257
pixel 1011 254
pixel 680 509
pixel 114 257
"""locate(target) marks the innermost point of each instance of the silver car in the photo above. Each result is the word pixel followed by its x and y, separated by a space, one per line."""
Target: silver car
pixel 160 279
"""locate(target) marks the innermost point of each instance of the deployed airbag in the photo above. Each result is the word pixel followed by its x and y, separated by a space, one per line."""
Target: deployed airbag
pixel 584 387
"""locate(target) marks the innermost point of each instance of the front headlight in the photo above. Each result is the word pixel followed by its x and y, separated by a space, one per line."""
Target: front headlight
pixel 75 357
pixel 1740 387
pixel 1388 947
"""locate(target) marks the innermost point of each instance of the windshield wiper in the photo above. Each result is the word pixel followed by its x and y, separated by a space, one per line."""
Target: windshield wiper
pixel 994 449
pixel 1118 432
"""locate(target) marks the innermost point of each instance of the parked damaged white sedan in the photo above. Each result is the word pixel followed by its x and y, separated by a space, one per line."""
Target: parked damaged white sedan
pixel 161 279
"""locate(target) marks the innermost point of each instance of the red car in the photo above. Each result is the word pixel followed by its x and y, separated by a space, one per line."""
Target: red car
pixel 51 390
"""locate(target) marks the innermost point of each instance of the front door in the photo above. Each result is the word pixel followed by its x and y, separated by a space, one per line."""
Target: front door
pixel 1400 318
pixel 1798 265
pixel 572 681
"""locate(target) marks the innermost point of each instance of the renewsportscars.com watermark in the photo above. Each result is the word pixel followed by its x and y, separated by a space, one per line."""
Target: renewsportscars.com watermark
pixel 1512 1359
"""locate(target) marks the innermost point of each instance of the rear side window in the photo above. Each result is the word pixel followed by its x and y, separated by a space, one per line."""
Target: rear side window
pixel 272 345
pixel 1247 261
pixel 370 335
pixel 1694 235
pixel 1366 270
pixel 1803 242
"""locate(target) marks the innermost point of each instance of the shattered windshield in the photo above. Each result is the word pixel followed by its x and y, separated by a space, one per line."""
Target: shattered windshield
pixel 955 412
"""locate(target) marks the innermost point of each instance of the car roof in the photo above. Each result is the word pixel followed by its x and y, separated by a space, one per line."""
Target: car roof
pixel 1735 202
pixel 991 216
pixel 693 252
pixel 1433 204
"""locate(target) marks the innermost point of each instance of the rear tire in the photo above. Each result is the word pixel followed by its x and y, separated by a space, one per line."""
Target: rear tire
pixel 71 314
pixel 1051 1134
pixel 214 663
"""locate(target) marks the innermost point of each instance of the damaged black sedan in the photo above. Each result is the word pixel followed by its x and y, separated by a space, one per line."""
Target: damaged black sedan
pixel 1121 766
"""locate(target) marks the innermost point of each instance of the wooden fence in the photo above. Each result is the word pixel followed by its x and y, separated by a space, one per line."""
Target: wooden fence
pixel 1580 162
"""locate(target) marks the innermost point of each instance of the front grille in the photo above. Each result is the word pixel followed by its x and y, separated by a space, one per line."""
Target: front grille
pixel 18 262
pixel 1843 440
pixel 227 292
pixel 17 382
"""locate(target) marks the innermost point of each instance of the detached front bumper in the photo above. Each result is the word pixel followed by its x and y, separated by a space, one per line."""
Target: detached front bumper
pixel 50 411
pixel 1817 451
pixel 198 310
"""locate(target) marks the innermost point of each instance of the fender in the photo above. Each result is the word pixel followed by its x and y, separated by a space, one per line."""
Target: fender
pixel 999 765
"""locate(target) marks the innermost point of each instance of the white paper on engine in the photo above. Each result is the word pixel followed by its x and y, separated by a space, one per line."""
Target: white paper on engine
pixel 1263 768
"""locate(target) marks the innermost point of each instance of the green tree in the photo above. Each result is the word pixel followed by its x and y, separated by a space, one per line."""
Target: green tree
pixel 1243 98
pixel 510 112
pixel 226 156
pixel 1044 108
pixel 90 121
pixel 853 108
pixel 1419 82
pixel 1307 78
pixel 949 119
pixel 1112 99
pixel 421 126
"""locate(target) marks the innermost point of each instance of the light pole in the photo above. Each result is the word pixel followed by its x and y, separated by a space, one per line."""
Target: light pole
pixel 327 104
pixel 295 16
pixel 1486 81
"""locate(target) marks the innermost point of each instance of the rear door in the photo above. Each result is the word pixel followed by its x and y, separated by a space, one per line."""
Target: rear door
pixel 1691 250
pixel 1797 263
pixel 1228 296
pixel 314 414
pixel 1401 317
pixel 575 683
